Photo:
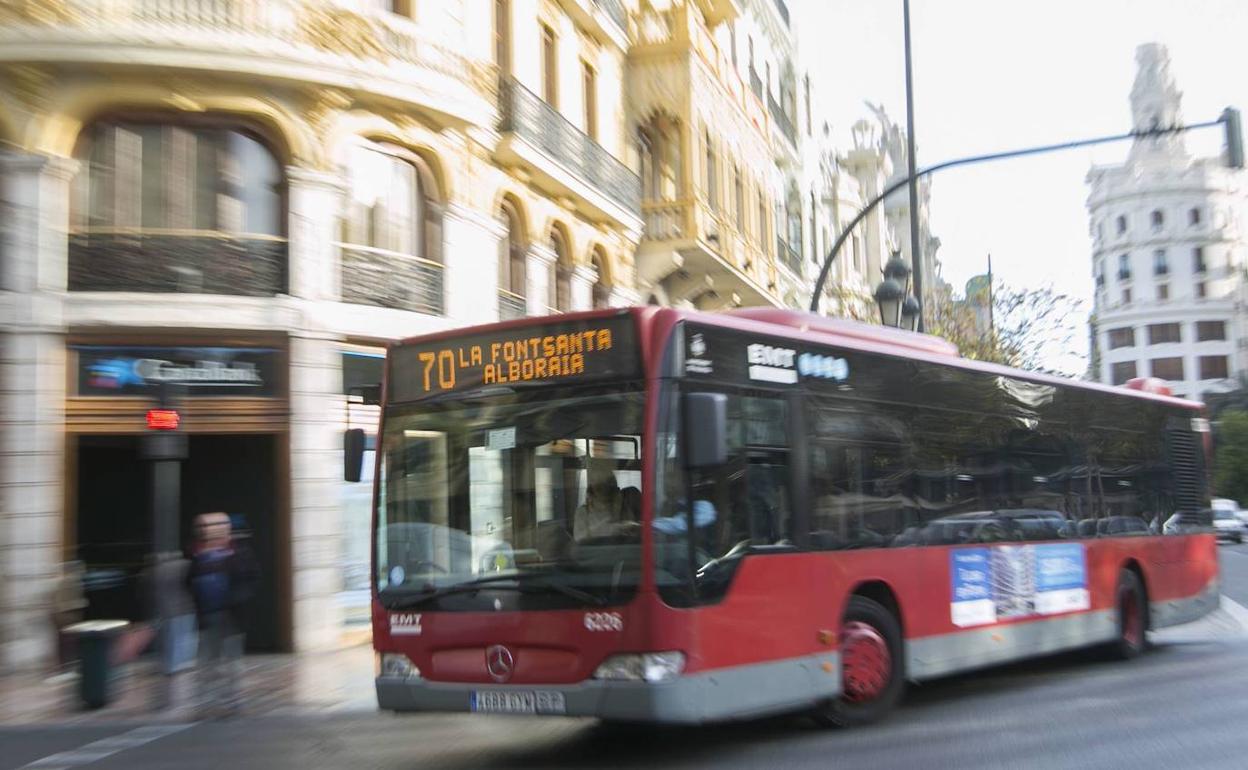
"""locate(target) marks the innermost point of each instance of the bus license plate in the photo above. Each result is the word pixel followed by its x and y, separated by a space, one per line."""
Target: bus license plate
pixel 517 702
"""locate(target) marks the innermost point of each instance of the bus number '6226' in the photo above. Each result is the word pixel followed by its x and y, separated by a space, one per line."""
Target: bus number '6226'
pixel 604 621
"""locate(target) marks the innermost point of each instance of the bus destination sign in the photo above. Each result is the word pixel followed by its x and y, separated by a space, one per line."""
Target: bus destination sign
pixel 553 353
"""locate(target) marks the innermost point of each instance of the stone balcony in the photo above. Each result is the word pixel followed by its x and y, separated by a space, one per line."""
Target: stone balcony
pixel 340 44
pixel 563 159
pixel 690 238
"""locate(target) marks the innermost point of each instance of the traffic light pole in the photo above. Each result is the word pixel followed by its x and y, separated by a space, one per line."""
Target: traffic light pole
pixel 166 447
pixel 1229 119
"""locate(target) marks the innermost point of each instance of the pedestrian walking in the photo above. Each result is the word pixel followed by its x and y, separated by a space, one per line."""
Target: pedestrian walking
pixel 222 578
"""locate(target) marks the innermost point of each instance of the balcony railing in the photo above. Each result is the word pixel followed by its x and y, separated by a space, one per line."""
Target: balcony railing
pixel 387 279
pixel 196 32
pixel 782 121
pixel 530 118
pixel 209 263
pixel 511 306
pixel 665 220
pixel 615 9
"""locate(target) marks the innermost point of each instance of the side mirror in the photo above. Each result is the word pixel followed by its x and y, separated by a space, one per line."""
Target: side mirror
pixel 706 429
pixel 353 454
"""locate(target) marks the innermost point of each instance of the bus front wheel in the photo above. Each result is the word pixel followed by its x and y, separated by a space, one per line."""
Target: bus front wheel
pixel 1131 604
pixel 872 667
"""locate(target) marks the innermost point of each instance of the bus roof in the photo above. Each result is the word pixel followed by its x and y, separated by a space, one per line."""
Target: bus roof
pixel 810 327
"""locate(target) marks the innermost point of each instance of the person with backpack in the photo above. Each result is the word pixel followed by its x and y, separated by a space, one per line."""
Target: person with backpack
pixel 221 579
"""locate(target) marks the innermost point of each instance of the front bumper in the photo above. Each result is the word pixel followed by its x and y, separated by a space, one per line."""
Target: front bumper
pixel 675 701
pixel 733 693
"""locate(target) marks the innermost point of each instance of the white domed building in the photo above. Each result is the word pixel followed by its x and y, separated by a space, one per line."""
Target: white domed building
pixel 1167 255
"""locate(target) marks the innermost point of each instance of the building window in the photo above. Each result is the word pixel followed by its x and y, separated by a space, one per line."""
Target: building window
pixel 511 259
pixel 1157 219
pixel 806 83
pixel 857 254
pixel 602 292
pixel 649 171
pixel 558 286
pixel 709 183
pixel 1126 296
pixel 1198 259
pixel 1193 217
pixel 1160 265
pixel 732 43
pixel 1163 291
pixel 156 203
pixel 502 36
pixel 1213 368
pixel 738 197
pixel 1159 334
pixel 1121 338
pixel 1121 372
pixel 550 66
pixel 1201 291
pixel 762 221
pixel 1121 223
pixel 1167 368
pixel 1124 267
pixel 393 227
pixel 1210 330
pixel 814 230
pixel 189 178
pixel 590 80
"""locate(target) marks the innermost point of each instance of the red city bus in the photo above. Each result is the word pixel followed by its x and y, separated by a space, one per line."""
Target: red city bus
pixel 867 509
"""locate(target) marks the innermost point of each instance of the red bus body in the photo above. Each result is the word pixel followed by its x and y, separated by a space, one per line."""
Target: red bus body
pixel 771 644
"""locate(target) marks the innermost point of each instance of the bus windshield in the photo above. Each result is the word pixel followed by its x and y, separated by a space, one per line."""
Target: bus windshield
pixel 530 498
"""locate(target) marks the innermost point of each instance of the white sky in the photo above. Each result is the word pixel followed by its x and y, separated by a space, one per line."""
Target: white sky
pixel 1001 74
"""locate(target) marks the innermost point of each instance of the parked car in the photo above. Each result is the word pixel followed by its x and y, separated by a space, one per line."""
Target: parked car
pixel 1227 525
pixel 1227 504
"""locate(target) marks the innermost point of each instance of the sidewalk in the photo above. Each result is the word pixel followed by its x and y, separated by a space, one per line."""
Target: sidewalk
pixel 309 683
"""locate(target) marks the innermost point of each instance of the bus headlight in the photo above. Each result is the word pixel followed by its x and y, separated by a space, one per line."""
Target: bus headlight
pixel 398 666
pixel 645 667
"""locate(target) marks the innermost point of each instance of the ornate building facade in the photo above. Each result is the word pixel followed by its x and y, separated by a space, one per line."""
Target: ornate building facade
pixel 250 197
pixel 1167 252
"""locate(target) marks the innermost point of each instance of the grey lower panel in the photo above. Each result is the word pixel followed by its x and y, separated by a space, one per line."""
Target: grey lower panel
pixel 1173 612
pixel 728 693
pixel 932 656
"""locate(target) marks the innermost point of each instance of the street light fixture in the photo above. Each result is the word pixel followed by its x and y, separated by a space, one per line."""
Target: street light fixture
pixel 889 295
pixel 910 313
pixel 897 308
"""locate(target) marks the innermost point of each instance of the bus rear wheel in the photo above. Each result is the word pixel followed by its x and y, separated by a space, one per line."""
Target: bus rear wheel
pixel 1131 604
pixel 872 666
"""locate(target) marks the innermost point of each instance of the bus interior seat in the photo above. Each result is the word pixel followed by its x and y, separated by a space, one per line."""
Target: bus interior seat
pixel 554 542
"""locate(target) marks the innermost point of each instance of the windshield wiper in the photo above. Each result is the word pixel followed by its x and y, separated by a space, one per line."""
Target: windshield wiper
pixel 474 586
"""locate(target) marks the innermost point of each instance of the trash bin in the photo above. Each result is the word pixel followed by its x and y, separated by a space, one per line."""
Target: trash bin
pixel 95 640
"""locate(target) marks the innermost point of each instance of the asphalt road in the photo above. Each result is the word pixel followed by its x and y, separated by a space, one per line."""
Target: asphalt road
pixel 1181 705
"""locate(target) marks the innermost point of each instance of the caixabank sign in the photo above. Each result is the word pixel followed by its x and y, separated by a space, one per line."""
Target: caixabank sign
pixel 106 370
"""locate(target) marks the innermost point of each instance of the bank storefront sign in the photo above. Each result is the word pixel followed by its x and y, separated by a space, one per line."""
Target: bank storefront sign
pixel 105 370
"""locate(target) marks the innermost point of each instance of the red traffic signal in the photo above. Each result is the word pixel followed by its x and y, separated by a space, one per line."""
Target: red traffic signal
pixel 163 419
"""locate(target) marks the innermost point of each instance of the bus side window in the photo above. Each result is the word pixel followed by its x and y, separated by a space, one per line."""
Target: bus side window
pixel 745 502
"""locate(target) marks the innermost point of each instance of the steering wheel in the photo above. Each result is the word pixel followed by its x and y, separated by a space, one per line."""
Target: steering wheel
pixel 736 551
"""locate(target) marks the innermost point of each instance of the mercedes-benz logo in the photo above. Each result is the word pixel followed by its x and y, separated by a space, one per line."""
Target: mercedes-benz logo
pixel 499 662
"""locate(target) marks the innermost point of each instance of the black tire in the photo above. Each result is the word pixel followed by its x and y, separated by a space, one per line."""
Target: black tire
pixel 1131 613
pixel 847 710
